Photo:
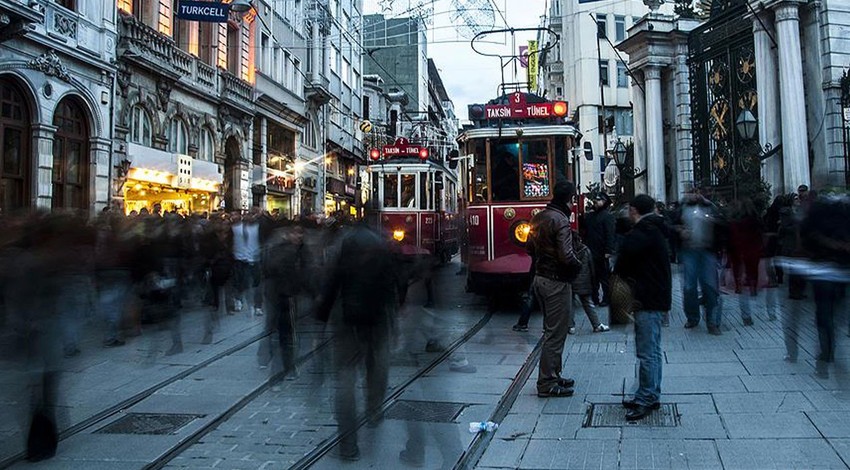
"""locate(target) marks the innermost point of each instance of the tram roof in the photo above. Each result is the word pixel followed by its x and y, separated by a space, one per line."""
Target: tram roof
pixel 510 132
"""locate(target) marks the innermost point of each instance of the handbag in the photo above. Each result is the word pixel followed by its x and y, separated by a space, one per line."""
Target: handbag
pixel 622 303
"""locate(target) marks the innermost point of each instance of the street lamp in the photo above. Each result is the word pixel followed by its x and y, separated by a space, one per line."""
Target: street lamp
pixel 240 6
pixel 619 152
pixel 746 124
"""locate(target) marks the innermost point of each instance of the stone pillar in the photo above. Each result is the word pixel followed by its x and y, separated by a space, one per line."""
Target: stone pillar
pixel 654 134
pixel 768 106
pixel 639 120
pixel 41 188
pixel 101 173
pixel 814 93
pixel 795 152
pixel 264 158
pixel 683 169
pixel 315 52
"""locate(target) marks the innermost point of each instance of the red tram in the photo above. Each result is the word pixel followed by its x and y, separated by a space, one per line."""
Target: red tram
pixel 417 201
pixel 517 146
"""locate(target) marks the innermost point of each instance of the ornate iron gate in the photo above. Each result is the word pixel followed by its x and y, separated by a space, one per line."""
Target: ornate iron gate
pixel 845 121
pixel 723 86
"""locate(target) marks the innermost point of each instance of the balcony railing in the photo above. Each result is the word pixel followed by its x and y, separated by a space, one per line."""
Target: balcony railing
pixel 236 90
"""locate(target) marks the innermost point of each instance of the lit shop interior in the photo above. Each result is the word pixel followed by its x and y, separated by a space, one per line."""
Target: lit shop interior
pixel 144 188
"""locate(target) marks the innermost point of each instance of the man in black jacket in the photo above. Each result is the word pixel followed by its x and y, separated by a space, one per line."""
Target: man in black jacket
pixel 550 244
pixel 644 263
pixel 600 238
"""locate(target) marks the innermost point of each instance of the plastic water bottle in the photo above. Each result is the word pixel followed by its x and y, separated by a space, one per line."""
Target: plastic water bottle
pixel 480 426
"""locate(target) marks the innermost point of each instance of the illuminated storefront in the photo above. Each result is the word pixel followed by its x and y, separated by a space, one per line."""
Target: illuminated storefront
pixel 176 182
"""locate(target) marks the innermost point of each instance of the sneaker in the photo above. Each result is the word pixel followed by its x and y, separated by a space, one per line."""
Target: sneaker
pixel 572 330
pixel 601 328
pixel 520 328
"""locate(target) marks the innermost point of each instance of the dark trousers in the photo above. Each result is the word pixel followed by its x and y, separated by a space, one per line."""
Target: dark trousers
pixel 355 345
pixel 555 299
pixel 528 304
pixel 826 297
pixel 601 273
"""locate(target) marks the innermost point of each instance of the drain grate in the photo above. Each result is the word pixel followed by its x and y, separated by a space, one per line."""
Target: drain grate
pixel 148 423
pixel 427 411
pixel 609 415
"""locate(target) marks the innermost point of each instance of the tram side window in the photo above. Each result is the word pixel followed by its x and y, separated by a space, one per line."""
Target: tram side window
pixel 479 177
pixel 535 169
pixel 408 191
pixel 504 167
pixel 390 190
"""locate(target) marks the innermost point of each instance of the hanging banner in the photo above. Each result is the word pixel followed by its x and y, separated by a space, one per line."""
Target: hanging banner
pixel 207 12
pixel 523 56
pixel 532 65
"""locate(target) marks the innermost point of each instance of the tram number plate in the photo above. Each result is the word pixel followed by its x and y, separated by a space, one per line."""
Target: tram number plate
pixel 474 220
pixel 429 220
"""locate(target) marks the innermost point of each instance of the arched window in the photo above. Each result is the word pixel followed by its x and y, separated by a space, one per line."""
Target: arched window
pixel 206 147
pixel 177 137
pixel 140 126
pixel 70 156
pixel 311 133
pixel 14 147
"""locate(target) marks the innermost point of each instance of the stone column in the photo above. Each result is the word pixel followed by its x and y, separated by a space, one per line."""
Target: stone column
pixel 654 134
pixel 683 171
pixel 768 105
pixel 795 152
pixel 41 187
pixel 101 173
pixel 639 120
pixel 264 158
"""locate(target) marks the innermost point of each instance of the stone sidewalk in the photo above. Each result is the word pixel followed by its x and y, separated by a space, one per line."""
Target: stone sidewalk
pixel 740 404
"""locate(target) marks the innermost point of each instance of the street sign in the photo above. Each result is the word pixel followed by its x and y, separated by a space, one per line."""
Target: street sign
pixel 520 109
pixel 208 12
pixel 366 126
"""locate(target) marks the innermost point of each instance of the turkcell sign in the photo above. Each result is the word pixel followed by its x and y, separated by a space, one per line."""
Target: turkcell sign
pixel 526 111
pixel 208 12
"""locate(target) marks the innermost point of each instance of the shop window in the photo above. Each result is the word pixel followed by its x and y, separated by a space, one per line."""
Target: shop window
pixel 177 137
pixel 140 126
pixel 206 147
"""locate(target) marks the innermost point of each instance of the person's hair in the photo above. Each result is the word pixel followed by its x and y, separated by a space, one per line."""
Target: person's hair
pixel 643 204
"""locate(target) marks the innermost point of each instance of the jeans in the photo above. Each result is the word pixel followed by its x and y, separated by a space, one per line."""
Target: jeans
pixel 648 349
pixel 555 299
pixel 700 268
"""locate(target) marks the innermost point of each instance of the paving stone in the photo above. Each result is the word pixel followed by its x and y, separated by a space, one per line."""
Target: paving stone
pixel 698 426
pixel 778 366
pixel 568 455
pixel 680 385
pixel 842 446
pixel 832 424
pixel 780 383
pixel 762 402
pixel 517 425
pixel 690 357
pixel 769 425
pixel 503 454
pixel 779 454
pixel 703 370
pixel 829 400
pixel 668 454
pixel 558 426
pixel 691 404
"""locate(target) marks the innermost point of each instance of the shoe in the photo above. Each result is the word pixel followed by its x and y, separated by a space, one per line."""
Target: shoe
pixel 555 392
pixel 572 330
pixel 638 413
pixel 566 383
pixel 466 368
pixel 748 322
pixel 433 346
pixel 691 324
pixel 350 453
pixel 714 330
pixel 411 459
pixel 601 328
pixel 520 328
pixel 113 343
pixel 632 405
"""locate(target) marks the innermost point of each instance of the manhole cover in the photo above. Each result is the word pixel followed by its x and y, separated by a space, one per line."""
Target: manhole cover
pixel 610 415
pixel 148 423
pixel 428 411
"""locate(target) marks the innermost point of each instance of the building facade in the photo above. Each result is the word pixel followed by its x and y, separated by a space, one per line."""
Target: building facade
pixel 56 100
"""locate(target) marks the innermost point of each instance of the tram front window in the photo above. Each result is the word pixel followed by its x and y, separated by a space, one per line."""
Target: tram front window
pixel 408 191
pixel 504 171
pixel 390 190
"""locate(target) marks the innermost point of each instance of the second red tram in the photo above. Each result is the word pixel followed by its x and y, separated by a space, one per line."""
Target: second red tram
pixel 518 145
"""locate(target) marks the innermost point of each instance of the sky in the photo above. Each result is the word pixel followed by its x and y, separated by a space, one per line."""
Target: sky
pixel 468 77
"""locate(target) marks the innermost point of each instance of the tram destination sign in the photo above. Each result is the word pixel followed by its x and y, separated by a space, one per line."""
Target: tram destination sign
pixel 402 147
pixel 519 108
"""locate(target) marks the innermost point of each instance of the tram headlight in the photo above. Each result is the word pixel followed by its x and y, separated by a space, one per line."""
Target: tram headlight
pixel 398 235
pixel 521 231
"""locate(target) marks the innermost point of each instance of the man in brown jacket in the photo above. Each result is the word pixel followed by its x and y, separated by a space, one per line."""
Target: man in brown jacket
pixel 555 266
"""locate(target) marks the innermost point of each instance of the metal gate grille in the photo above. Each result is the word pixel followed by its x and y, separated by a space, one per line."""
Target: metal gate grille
pixel 610 415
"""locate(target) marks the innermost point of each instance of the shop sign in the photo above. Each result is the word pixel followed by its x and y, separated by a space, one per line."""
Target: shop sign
pixel 184 171
pixel 350 190
pixel 205 11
